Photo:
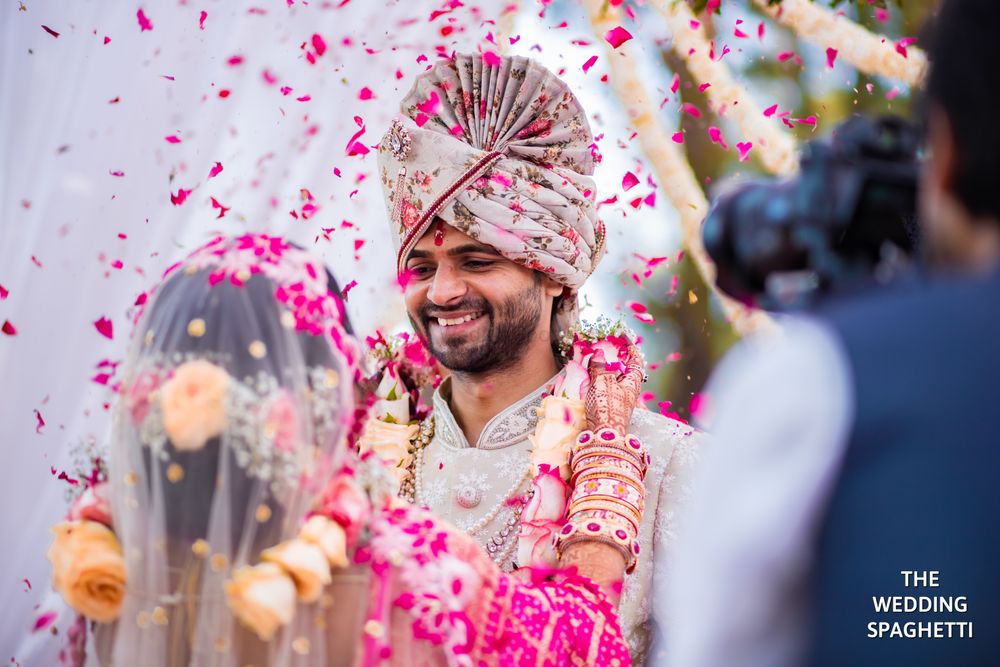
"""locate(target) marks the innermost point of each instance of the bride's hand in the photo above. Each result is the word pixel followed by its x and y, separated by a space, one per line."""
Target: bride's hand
pixel 612 396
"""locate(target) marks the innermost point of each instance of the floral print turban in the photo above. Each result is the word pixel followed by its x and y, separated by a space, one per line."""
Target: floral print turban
pixel 502 152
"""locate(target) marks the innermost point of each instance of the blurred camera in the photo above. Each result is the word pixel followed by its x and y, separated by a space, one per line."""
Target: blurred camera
pixel 847 220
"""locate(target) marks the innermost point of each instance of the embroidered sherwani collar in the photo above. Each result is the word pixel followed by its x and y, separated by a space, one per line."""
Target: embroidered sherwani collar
pixel 511 425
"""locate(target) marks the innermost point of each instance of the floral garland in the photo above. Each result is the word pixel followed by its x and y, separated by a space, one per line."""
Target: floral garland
pixel 673 171
pixel 775 147
pixel 561 418
pixel 870 53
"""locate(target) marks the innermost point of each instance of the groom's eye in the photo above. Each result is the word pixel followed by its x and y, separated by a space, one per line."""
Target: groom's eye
pixel 421 270
pixel 478 264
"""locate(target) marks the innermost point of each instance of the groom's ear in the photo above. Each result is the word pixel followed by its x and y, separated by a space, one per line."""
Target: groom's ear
pixel 551 287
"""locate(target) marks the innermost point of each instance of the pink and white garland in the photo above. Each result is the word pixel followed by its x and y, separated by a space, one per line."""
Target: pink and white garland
pixel 561 418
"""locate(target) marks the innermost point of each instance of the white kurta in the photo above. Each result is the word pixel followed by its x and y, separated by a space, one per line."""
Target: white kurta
pixel 470 486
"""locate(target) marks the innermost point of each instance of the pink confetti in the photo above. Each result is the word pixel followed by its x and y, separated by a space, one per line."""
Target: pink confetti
pixel 715 134
pixel 180 197
pixel 3 293
pixel 172 139
pixel 432 105
pixel 216 170
pixel 347 289
pixel 107 40
pixel 703 87
pixel 629 181
pixel 744 148
pixel 491 58
pixel 201 20
pixel 785 55
pixel 50 31
pixel 698 404
pixel 304 98
pixel 760 31
pixel 318 44
pixel 903 43
pixel 831 55
pixel 104 327
pixel 8 328
pixel 676 83
pixel 689 108
pixel 650 199
pixel 770 110
pixel 617 36
pixel 590 63
pixel 678 137
pixel 144 23
pixel 118 174
pixel 235 60
pixel 222 209
pixel 365 94
pixel 808 120
pixel 45 620
pixel 269 78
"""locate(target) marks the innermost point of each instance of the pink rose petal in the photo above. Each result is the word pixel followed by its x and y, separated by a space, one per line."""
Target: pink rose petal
pixel 770 110
pixel 365 94
pixel 173 139
pixel 318 44
pixel 216 170
pixel 691 109
pixel 144 23
pixel 491 58
pixel 744 148
pixel 105 327
pixel 50 31
pixel 8 328
pixel 831 56
pixel 201 20
pixel 180 197
pixel 678 137
pixel 590 63
pixel 903 43
pixel 617 36
pixel 629 181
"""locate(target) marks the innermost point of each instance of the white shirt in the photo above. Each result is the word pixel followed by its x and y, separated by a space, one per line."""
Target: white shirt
pixel 783 408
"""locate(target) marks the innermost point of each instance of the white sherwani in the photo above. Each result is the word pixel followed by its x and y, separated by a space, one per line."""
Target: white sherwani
pixel 470 486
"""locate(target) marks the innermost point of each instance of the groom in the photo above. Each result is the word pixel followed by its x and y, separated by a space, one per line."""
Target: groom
pixel 492 212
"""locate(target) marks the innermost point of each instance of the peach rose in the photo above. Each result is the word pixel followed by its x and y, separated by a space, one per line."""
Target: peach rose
pixel 560 422
pixel 92 505
pixel 328 536
pixel 345 503
pixel 391 443
pixel 88 569
pixel 262 597
pixel 305 563
pixel 194 404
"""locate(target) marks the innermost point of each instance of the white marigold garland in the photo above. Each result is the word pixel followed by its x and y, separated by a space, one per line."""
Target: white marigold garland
pixel 870 53
pixel 673 171
pixel 775 147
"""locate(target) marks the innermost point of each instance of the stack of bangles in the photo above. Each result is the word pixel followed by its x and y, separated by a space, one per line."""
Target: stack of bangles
pixel 608 493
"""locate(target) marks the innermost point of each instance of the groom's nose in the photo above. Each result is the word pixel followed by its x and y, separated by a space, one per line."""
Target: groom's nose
pixel 447 286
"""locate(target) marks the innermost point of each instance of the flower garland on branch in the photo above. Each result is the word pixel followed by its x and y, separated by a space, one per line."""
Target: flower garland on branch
pixel 870 53
pixel 672 169
pixel 776 147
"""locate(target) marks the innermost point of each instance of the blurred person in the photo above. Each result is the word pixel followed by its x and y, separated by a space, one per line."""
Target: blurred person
pixel 854 454
pixel 492 210
pixel 234 525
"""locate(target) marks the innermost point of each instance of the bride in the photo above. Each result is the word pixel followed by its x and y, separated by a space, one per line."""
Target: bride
pixel 244 530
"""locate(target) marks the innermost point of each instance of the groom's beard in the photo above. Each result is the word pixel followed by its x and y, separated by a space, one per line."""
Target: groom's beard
pixel 509 326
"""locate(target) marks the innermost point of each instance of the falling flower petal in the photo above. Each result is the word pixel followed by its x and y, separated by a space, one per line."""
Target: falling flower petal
pixel 8 328
pixel 617 36
pixel 104 327
pixel 831 55
pixel 144 23
pixel 50 31
pixel 201 20
pixel 44 621
pixel 3 293
pixel 216 170
pixel 590 63
pixel 678 137
pixel 318 44
pixel 903 43
pixel 365 94
pixel 173 139
pixel 744 148
pixel 770 110
pixel 629 181
pixel 180 197
pixel 491 59
pixel 687 107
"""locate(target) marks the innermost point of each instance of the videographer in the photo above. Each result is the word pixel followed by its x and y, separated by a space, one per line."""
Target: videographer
pixel 853 475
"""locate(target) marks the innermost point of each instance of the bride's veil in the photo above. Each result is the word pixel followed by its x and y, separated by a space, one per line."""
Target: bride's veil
pixel 236 400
